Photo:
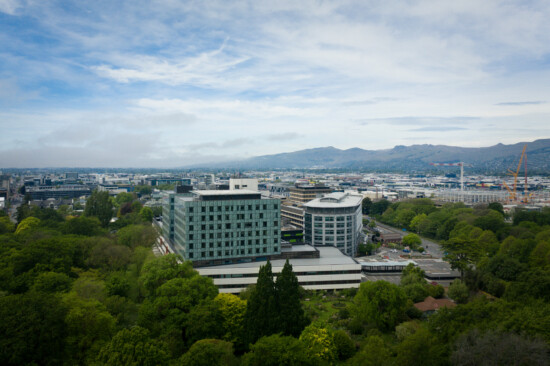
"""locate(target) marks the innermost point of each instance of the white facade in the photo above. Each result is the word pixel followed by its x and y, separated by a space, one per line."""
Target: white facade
pixel 331 271
pixel 334 220
pixel 243 183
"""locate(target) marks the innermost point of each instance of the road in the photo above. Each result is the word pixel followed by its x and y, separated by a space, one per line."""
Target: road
pixel 431 247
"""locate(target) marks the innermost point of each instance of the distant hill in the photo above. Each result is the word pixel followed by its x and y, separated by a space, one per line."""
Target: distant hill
pixel 416 158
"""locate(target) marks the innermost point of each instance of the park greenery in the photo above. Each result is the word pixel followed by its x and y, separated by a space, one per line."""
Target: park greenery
pixel 87 290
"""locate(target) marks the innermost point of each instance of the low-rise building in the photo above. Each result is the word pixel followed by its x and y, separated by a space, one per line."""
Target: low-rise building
pixel 332 270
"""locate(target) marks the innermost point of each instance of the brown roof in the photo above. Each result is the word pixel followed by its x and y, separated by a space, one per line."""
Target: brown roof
pixel 431 304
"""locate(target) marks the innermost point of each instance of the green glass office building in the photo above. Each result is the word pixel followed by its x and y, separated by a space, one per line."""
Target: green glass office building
pixel 222 227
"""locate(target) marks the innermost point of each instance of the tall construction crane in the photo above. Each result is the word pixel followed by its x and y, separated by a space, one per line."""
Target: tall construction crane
pixel 513 192
pixel 461 165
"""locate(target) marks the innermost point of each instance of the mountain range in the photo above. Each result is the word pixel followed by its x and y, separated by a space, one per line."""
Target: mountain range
pixel 415 158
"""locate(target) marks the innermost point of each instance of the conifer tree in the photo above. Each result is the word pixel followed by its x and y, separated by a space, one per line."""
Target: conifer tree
pixel 292 319
pixel 261 312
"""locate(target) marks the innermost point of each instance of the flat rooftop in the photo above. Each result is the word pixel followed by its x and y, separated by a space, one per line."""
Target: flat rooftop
pixel 327 256
pixel 336 200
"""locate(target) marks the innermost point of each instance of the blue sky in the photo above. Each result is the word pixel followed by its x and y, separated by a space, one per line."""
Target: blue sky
pixel 172 83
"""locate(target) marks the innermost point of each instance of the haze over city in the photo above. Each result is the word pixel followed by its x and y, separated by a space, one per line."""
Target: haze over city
pixel 167 83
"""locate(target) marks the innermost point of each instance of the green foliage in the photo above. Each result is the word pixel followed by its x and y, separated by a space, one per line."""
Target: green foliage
pixel 531 318
pixel 203 321
pixel 52 282
pixel 458 291
pixel 497 206
pixel 209 352
pixel 89 325
pixel 162 269
pixel 379 207
pixel 232 310
pixel 374 353
pixel 6 226
pixel 412 240
pixel 261 318
pixel 291 318
pixel 143 190
pixel 133 347
pixel 117 284
pixel 146 214
pixel 380 303
pixel 417 292
pixel 27 225
pixel 86 226
pixel 107 255
pixel 123 197
pixel 493 348
pixel 366 205
pixel 319 343
pixel 137 235
pixel 277 350
pixel 436 291
pixel 420 349
pixel 345 347
pixel 32 329
pixel 99 205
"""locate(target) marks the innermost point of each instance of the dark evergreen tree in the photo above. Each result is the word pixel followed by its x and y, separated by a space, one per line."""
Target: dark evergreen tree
pixel 99 205
pixel 292 319
pixel 261 311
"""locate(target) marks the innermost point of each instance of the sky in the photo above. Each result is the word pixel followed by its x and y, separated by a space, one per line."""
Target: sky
pixel 173 83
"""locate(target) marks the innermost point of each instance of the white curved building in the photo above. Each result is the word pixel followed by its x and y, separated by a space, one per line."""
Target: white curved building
pixel 334 220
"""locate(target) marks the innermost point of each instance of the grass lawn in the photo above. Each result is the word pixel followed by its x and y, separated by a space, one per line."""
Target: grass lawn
pixel 321 306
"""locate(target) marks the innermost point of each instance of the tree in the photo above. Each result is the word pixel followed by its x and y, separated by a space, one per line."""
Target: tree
pixel 203 321
pixel 458 291
pixel 99 205
pixel 32 330
pixel 89 325
pixel 366 205
pixel 497 206
pixel 133 347
pixel 146 214
pixel 277 350
pixel 261 318
pixel 137 235
pixel 52 282
pixel 291 317
pixel 6 226
pixel 492 349
pixel 417 221
pixel 319 342
pixel 374 353
pixel 345 347
pixel 123 197
pixel 87 226
pixel 27 225
pixel 233 311
pixel 162 269
pixel 462 250
pixel 412 240
pixel 380 303
pixel 209 352
pixel 419 349
pixel 379 207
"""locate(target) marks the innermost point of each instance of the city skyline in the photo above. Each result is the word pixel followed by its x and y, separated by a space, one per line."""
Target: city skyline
pixel 171 84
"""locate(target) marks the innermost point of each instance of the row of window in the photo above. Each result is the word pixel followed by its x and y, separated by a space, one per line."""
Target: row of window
pixel 233 208
pixel 310 273
pixel 232 253
pixel 305 283
pixel 237 243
